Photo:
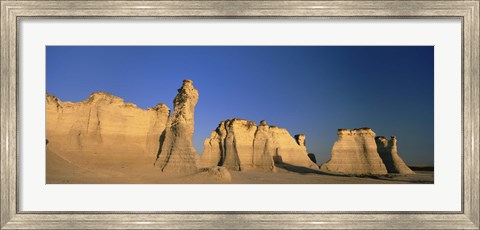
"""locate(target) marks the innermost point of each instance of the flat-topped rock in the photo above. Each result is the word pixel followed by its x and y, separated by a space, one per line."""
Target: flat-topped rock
pixel 103 130
pixel 355 152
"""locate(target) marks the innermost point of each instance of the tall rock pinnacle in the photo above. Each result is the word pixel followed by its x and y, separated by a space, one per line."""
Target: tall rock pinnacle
pixel 176 152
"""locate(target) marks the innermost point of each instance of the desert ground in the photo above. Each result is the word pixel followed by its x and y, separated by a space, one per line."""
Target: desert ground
pixel 60 171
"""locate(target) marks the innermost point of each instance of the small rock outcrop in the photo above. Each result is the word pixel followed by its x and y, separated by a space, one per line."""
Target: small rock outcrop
pixel 103 129
pixel 355 152
pixel 239 144
pixel 389 154
pixel 177 153
pixel 216 173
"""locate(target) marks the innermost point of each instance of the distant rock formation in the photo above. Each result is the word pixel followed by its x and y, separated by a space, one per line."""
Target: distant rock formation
pixel 177 153
pixel 355 152
pixel 239 144
pixel 389 154
pixel 103 130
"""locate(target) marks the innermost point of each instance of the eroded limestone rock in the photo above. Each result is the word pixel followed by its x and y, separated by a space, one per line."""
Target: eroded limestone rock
pixel 177 153
pixel 242 145
pixel 389 154
pixel 233 146
pixel 355 152
pixel 103 130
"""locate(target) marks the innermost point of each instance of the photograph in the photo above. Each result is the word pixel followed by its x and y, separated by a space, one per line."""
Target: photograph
pixel 253 114
pixel 239 114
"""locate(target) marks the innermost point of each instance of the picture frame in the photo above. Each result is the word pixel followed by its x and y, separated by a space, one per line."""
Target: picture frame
pixel 12 11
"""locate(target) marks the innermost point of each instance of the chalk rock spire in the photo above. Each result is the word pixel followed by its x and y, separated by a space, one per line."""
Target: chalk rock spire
pixel 177 153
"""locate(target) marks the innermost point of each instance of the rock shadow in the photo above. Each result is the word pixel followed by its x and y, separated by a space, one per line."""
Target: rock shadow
pixel 161 140
pixel 386 178
pixel 387 159
pixel 422 168
pixel 304 170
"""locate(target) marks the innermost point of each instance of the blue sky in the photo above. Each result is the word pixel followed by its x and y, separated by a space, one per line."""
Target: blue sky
pixel 313 90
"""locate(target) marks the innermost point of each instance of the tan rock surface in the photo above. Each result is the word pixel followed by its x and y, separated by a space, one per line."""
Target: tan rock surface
pixel 389 154
pixel 241 145
pixel 355 152
pixel 177 153
pixel 233 146
pixel 287 150
pixel 103 131
pixel 263 148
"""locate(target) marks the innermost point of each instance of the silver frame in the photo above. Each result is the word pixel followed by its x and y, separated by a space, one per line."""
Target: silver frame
pixel 468 11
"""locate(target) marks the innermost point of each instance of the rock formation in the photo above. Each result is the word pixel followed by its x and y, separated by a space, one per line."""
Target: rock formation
pixel 217 173
pixel 239 144
pixel 106 134
pixel 355 152
pixel 103 130
pixel 389 154
pixel 232 145
pixel 177 153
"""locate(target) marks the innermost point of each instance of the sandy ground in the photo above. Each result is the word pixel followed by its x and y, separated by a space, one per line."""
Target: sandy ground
pixel 61 171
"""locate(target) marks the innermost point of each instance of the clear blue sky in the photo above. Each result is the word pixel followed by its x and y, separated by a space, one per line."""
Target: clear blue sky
pixel 305 89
